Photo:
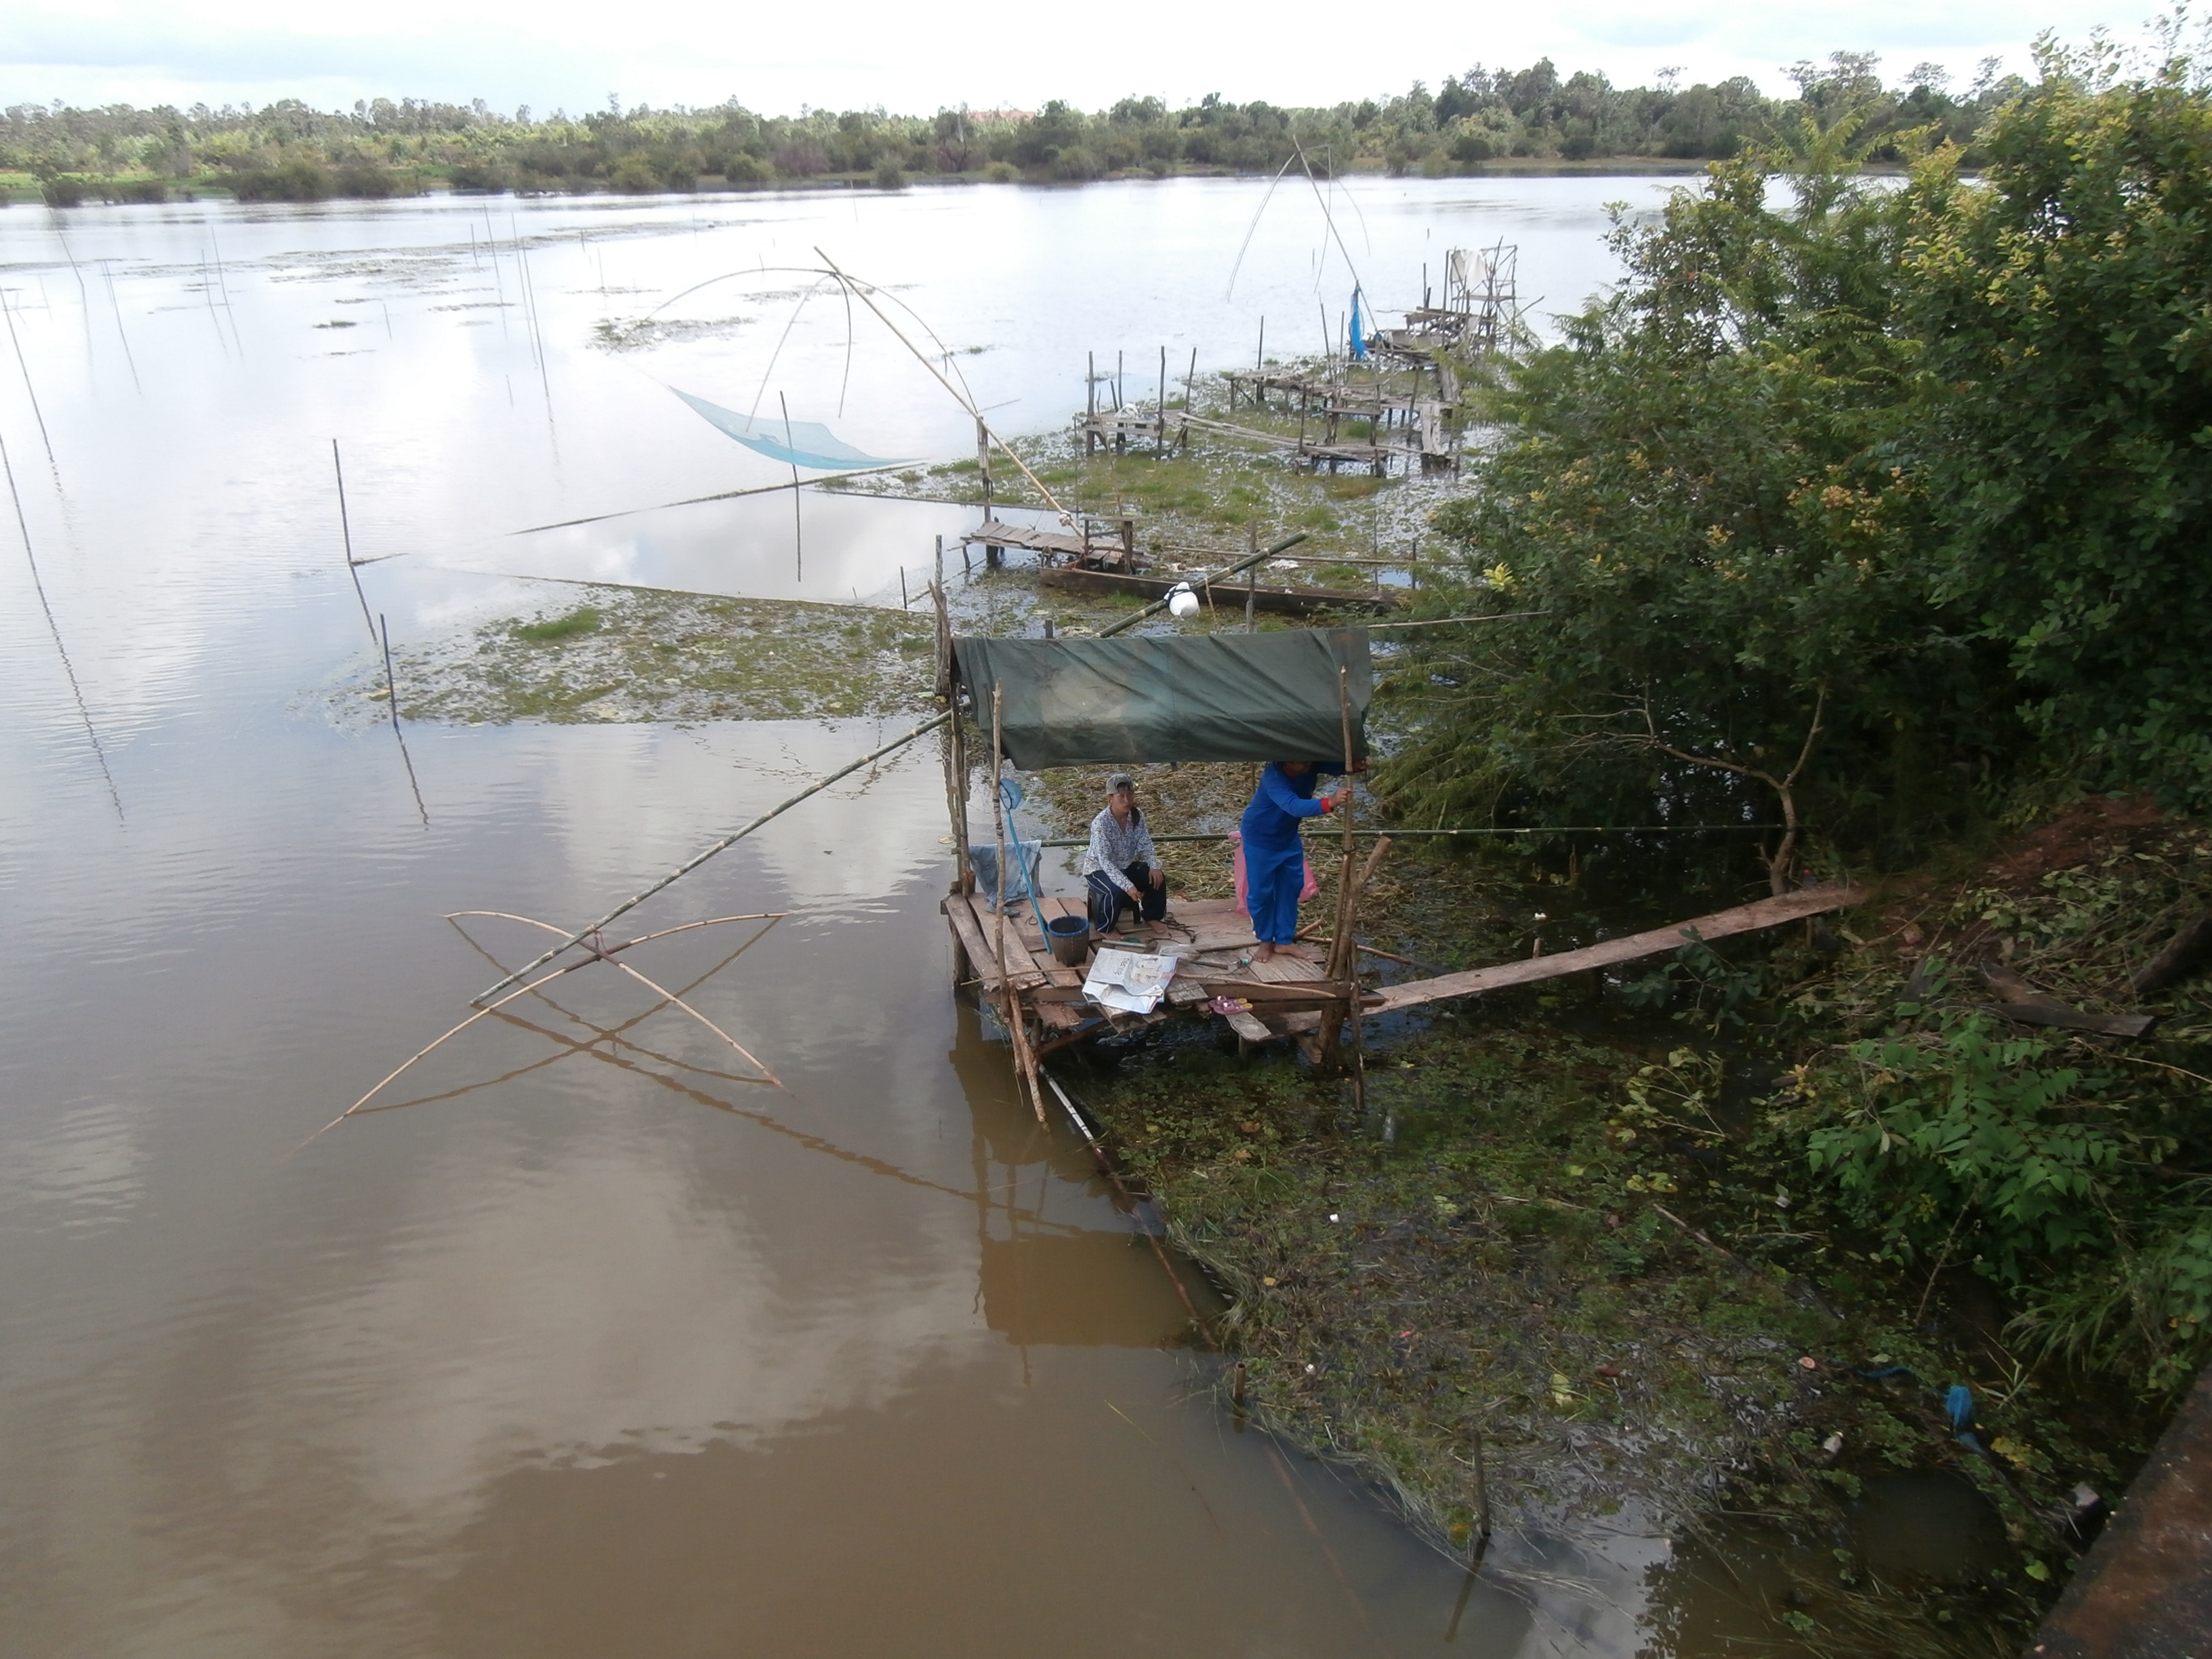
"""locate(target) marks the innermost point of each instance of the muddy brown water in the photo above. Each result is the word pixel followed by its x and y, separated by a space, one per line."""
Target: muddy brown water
pixel 597 1348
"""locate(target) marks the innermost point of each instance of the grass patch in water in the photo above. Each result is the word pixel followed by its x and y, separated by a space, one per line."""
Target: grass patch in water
pixel 644 654
pixel 585 619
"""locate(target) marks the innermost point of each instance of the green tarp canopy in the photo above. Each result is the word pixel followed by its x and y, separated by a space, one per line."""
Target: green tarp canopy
pixel 1173 698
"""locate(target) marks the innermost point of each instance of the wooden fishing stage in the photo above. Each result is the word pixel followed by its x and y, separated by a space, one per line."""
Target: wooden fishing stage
pixel 1288 996
pixel 1211 939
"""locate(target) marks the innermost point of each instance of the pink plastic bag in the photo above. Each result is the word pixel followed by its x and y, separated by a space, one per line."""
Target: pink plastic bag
pixel 1311 890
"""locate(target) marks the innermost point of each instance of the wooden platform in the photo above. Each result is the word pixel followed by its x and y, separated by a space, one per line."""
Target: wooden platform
pixel 1215 935
pixel 1092 545
pixel 1291 996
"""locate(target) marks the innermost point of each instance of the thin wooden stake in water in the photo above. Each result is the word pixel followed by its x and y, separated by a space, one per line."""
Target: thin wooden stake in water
pixel 116 305
pixel 797 525
pixel 345 528
pixel 10 311
pixel 69 669
pixel 392 700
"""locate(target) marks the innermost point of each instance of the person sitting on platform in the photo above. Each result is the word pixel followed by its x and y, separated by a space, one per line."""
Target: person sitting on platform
pixel 1275 857
pixel 1121 866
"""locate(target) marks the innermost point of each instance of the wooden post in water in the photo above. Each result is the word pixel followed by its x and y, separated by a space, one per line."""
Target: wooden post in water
pixel 991 554
pixel 1090 404
pixel 955 768
pixel 998 829
pixel 1252 582
pixel 1189 402
pixel 1260 357
pixel 1160 413
pixel 1017 1024
pixel 797 527
pixel 345 528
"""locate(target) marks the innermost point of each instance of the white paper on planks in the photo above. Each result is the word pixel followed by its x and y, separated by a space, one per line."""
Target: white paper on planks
pixel 1131 981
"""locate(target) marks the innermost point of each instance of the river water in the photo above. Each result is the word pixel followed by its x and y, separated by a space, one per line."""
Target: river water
pixel 600 1348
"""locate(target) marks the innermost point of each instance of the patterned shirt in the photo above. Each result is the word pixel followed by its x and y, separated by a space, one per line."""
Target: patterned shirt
pixel 1114 848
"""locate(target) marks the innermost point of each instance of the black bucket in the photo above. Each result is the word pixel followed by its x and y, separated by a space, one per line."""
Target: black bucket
pixel 1070 938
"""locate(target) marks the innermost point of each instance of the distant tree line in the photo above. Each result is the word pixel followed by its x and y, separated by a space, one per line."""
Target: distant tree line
pixel 289 151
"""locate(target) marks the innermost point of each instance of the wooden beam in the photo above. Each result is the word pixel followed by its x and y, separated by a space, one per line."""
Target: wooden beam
pixel 1744 919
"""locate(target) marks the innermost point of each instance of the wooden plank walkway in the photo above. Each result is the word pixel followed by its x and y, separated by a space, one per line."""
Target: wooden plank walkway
pixel 1744 919
pixel 1290 995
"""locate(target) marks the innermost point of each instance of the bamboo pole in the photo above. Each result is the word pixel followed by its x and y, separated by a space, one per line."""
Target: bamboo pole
pixel 391 701
pixel 1221 575
pixel 998 829
pixel 726 842
pixel 1160 412
pixel 37 414
pixel 1252 584
pixel 346 529
pixel 1341 952
pixel 1016 1022
pixel 867 299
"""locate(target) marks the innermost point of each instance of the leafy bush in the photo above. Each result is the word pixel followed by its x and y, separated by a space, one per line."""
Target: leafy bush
pixel 297 178
pixel 1962 1143
pixel 1698 510
pixel 1953 1140
pixel 2068 371
pixel 368 181
pixel 488 177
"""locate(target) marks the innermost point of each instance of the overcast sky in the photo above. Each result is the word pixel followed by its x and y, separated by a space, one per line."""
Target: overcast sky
pixel 982 53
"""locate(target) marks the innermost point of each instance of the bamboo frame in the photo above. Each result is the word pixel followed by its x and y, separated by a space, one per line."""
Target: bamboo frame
pixel 598 953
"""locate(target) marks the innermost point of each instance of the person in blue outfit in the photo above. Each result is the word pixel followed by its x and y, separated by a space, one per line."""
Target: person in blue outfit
pixel 1275 857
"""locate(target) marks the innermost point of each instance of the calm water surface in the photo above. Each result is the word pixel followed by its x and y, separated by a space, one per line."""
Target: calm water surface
pixel 598 1348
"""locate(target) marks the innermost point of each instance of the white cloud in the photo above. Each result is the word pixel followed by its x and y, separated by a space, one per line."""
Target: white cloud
pixel 907 58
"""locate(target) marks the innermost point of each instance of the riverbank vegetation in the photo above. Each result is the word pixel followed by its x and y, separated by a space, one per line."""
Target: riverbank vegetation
pixel 1476 120
pixel 1863 522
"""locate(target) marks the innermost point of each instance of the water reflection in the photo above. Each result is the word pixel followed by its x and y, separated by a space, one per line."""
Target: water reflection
pixel 598 1348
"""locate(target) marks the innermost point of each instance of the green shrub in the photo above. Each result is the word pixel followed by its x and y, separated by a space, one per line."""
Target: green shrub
pixel 294 179
pixel 368 180
pixel 634 175
pixel 1964 1142
pixel 488 177
pixel 889 175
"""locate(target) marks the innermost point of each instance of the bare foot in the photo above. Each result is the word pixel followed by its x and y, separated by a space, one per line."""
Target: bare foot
pixel 1299 951
pixel 1265 953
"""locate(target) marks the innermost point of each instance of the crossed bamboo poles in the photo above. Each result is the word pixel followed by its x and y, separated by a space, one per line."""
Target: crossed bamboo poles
pixel 595 950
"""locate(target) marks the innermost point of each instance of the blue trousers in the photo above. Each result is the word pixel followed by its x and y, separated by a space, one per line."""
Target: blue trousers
pixel 1108 900
pixel 1274 876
